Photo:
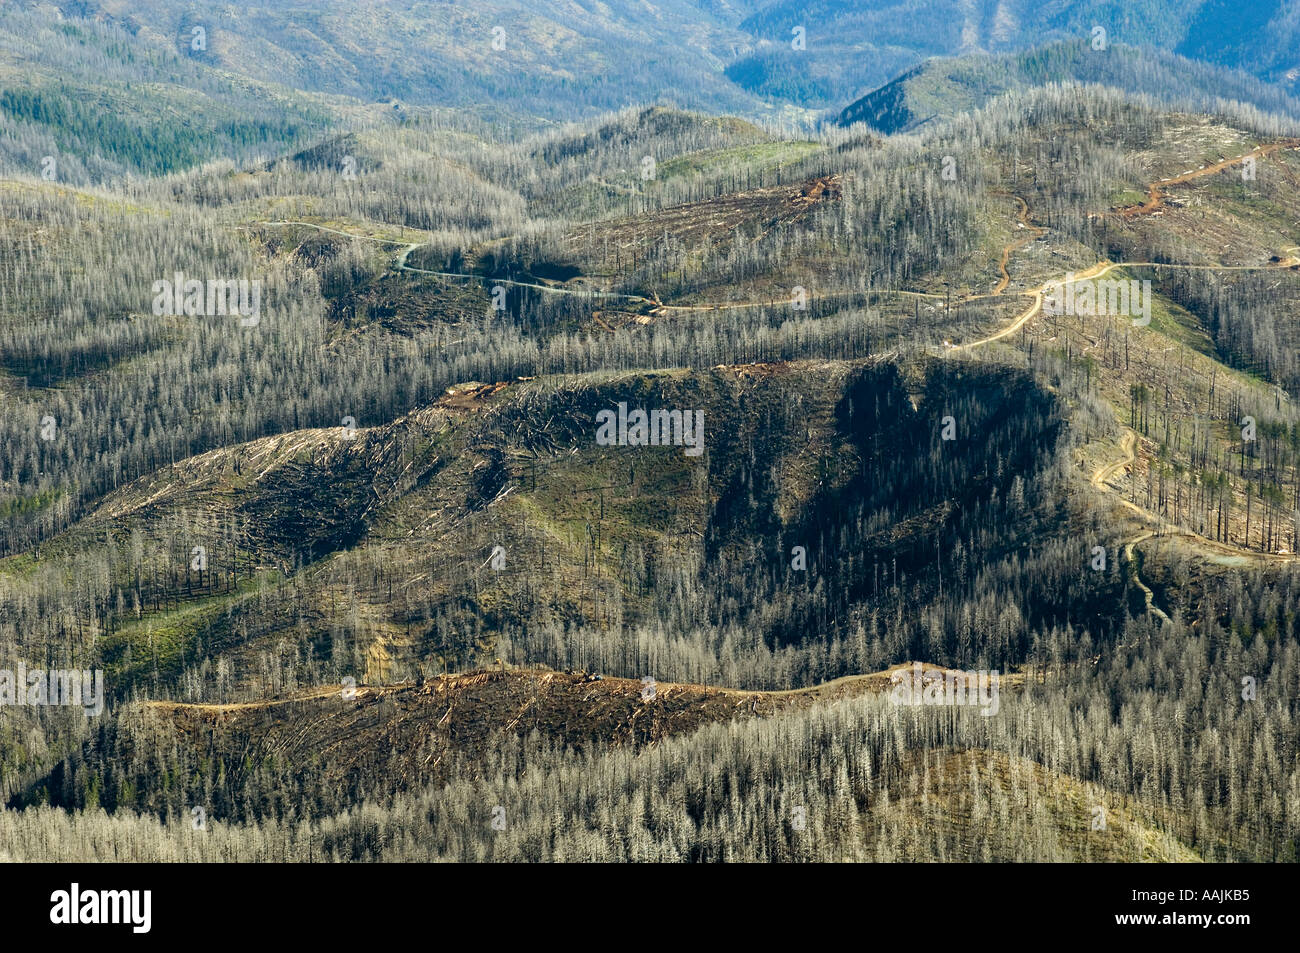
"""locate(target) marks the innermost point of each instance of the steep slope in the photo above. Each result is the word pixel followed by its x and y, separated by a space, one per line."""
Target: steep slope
pixel 940 89
pixel 493 518
pixel 365 740
pixel 865 793
pixel 1265 35
pixel 505 56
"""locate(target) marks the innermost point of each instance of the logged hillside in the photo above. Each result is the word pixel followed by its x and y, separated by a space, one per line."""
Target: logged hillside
pixel 492 521
pixel 862 780
pixel 345 744
pixel 906 441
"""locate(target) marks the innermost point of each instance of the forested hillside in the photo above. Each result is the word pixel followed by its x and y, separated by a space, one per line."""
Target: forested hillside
pixel 943 88
pixel 399 462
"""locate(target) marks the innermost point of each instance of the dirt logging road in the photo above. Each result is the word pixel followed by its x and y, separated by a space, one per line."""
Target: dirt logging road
pixel 1101 479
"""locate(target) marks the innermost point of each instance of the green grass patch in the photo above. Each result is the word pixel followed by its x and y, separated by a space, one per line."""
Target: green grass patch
pixel 756 156
pixel 1126 197
pixel 158 642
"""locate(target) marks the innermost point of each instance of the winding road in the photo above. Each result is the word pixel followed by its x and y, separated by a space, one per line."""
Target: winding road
pixel 1156 199
pixel 1101 478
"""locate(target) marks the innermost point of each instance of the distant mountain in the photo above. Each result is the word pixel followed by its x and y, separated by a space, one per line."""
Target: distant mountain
pixel 854 45
pixel 553 60
pixel 99 100
pixel 1262 36
pixel 941 88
